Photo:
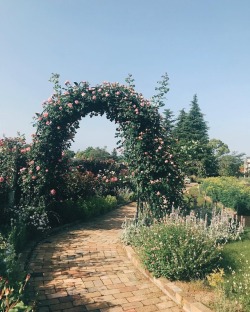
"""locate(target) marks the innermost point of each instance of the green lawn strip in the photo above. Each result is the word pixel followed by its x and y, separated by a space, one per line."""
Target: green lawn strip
pixel 233 252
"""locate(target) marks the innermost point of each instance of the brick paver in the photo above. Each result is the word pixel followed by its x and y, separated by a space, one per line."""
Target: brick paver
pixel 85 268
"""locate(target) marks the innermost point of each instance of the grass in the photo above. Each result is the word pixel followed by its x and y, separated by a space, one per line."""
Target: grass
pixel 232 253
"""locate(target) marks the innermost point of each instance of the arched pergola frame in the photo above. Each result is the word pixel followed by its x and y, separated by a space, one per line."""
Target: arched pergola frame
pixel 150 160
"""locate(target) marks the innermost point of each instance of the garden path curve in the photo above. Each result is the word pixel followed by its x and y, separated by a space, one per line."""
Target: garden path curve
pixel 85 268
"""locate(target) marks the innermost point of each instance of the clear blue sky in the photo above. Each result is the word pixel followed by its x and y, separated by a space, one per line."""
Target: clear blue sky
pixel 203 45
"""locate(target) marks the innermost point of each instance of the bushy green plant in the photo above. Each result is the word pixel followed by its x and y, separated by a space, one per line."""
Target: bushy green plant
pixel 178 252
pixel 231 192
pixel 12 296
pixel 182 247
pixel 83 209
pixel 125 195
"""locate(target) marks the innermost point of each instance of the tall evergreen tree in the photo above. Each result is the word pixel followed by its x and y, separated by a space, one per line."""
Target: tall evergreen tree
pixel 168 122
pixel 180 131
pixel 195 155
pixel 197 127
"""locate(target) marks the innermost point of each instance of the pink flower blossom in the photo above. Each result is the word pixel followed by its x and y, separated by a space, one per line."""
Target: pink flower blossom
pixel 70 105
pixel 47 123
pixel 1 179
pixel 33 177
pixel 83 94
pixel 58 127
pixel 38 168
pixel 66 93
pixel 22 169
pixel 46 114
pixel 106 94
pixel 50 100
pixel 60 108
pixel 76 102
pixel 53 192
pixel 46 170
pixel 158 193
pixel 94 97
pixel 67 82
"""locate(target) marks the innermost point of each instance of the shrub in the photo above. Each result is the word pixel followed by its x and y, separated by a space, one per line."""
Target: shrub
pixel 82 209
pixel 177 252
pixel 182 248
pixel 231 192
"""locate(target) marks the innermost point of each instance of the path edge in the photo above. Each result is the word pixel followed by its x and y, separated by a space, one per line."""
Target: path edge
pixel 187 303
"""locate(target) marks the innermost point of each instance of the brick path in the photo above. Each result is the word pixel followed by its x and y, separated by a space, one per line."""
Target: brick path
pixel 85 268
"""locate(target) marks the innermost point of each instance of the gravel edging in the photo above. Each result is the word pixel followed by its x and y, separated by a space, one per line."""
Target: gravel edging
pixel 187 303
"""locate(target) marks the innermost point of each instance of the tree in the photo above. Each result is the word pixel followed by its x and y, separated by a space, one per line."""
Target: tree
pixel 218 147
pixel 197 127
pixel 229 165
pixel 97 153
pixel 191 131
pixel 168 122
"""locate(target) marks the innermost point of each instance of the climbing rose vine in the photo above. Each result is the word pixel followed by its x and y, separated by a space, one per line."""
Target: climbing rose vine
pixel 152 167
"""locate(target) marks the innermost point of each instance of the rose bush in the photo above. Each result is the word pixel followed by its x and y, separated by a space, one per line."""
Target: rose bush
pixel 152 167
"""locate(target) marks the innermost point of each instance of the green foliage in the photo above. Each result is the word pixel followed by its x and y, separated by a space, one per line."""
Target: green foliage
pixel 177 252
pixel 13 156
pixel 218 147
pixel 229 165
pixel 83 209
pixel 195 155
pixel 233 292
pixel 231 192
pixel 152 166
pixel 182 247
pixel 12 296
pixel 94 153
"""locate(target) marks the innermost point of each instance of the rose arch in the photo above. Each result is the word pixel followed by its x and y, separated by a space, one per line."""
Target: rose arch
pixel 146 149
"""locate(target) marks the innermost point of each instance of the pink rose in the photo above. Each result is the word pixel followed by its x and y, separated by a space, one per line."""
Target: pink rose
pixel 76 102
pixel 46 114
pixel 94 97
pixel 47 123
pixel 60 107
pixel 38 168
pixel 33 177
pixel 1 179
pixel 53 192
pixel 83 94
pixel 70 105
pixel 158 193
